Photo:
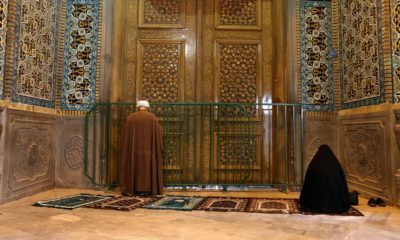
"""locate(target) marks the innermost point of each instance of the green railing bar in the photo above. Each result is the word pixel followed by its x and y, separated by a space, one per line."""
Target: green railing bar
pixel 94 144
pixel 202 144
pixel 218 144
pixel 187 141
pixel 195 144
pixel 302 143
pixel 210 170
pixel 286 164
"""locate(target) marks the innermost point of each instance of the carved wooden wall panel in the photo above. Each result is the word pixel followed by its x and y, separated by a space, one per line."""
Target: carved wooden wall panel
pixel 162 13
pixel 238 14
pixel 238 70
pixel 160 70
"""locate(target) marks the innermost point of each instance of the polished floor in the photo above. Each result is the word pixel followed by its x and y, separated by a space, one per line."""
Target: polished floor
pixel 19 220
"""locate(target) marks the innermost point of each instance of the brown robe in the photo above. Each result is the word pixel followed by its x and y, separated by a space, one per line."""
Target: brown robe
pixel 141 160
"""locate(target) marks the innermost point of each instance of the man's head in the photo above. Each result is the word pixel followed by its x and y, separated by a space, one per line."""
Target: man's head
pixel 142 105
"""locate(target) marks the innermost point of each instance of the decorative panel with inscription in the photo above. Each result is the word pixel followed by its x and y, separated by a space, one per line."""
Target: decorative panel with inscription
pixel 3 32
pixel 316 65
pixel 238 14
pixel 162 13
pixel 361 53
pixel 396 49
pixel 35 52
pixel 80 55
pixel 160 70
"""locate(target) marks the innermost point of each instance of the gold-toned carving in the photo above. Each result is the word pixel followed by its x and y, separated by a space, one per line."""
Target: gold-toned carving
pixel 160 70
pixel 237 151
pixel 238 14
pixel 238 73
pixel 162 13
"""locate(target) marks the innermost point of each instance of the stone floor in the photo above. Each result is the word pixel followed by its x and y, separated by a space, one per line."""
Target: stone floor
pixel 19 220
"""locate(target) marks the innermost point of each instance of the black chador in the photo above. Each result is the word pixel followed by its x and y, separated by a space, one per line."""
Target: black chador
pixel 325 188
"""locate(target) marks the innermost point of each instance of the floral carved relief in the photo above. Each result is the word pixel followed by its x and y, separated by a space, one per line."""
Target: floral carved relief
pixel 31 148
pixel 74 152
pixel 364 154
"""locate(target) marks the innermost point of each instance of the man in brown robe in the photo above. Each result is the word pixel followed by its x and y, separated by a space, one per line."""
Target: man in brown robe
pixel 141 160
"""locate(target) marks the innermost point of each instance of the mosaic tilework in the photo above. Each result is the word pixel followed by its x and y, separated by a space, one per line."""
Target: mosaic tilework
pixel 316 65
pixel 79 68
pixel 35 52
pixel 361 53
pixel 396 49
pixel 3 31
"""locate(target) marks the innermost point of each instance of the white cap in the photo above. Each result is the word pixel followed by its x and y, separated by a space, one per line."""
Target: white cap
pixel 143 103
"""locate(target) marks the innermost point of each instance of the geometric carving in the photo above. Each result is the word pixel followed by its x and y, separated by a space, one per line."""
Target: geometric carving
pixel 238 150
pixel 80 55
pixel 3 31
pixel 361 53
pixel 364 154
pixel 160 73
pixel 74 152
pixel 316 66
pixel 238 14
pixel 31 148
pixel 396 50
pixel 35 51
pixel 162 13
pixel 238 74
pixel 173 152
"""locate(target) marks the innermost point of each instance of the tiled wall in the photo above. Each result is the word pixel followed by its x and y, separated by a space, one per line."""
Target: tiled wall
pixel 362 69
pixel 395 20
pixel 3 31
pixel 80 55
pixel 35 52
pixel 316 62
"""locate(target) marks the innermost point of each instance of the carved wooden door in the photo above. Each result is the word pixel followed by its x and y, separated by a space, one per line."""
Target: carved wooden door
pixel 200 51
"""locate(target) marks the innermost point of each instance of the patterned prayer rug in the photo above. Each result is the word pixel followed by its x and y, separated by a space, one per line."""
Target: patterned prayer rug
pixel 72 202
pixel 176 203
pixel 269 205
pixel 224 204
pixel 351 212
pixel 124 203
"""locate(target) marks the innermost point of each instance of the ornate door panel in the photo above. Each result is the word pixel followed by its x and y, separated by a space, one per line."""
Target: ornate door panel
pixel 202 51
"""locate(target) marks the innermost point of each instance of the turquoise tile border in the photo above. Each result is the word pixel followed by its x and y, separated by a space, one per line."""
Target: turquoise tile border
pixel 79 65
pixel 306 71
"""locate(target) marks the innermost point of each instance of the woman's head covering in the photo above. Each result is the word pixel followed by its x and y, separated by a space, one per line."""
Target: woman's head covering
pixel 143 103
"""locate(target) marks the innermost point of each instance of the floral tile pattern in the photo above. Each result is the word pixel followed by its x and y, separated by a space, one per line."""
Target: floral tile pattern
pixel 316 65
pixel 80 55
pixel 35 52
pixel 361 53
pixel 3 31
pixel 396 49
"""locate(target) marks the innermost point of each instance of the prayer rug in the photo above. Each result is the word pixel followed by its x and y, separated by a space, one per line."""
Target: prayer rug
pixel 176 203
pixel 351 212
pixel 224 204
pixel 124 203
pixel 269 205
pixel 72 202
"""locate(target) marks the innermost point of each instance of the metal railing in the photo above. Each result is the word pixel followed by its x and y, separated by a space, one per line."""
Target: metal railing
pixel 224 144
